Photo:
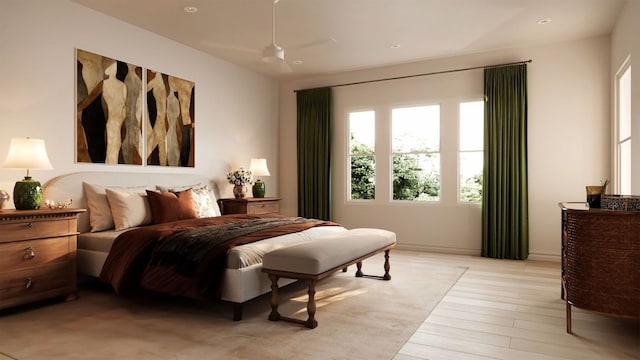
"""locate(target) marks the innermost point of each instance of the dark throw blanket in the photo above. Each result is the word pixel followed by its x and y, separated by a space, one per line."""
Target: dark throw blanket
pixel 188 257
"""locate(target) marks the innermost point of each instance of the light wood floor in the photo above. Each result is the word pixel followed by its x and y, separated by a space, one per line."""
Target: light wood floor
pixel 501 309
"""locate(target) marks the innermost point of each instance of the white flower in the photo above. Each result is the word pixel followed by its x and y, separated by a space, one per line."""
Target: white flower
pixel 239 177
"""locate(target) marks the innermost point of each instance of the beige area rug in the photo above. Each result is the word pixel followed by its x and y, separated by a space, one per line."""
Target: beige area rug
pixel 358 318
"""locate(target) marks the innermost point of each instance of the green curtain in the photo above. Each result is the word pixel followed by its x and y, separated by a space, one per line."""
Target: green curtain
pixel 505 219
pixel 314 153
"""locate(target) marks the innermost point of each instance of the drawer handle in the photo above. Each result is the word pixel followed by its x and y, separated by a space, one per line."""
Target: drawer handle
pixel 29 253
pixel 30 225
pixel 29 283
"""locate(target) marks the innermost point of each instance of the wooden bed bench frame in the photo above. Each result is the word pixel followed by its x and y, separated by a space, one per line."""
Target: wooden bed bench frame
pixel 275 273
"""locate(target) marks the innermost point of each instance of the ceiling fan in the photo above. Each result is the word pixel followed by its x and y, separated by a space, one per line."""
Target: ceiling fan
pixel 272 54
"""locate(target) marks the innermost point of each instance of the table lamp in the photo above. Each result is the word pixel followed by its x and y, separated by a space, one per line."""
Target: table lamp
pixel 258 167
pixel 26 153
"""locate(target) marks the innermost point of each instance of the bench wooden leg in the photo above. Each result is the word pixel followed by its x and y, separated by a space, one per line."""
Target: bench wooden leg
pixel 568 318
pixel 359 271
pixel 274 315
pixel 311 305
pixel 387 267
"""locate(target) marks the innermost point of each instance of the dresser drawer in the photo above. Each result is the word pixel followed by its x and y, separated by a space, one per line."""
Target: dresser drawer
pixel 22 230
pixel 249 205
pixel 262 207
pixel 20 286
pixel 24 254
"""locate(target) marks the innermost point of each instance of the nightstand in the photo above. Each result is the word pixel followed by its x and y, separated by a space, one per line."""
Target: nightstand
pixel 37 255
pixel 251 205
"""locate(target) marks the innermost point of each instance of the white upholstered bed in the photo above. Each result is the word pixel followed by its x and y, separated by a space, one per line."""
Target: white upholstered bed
pixel 243 279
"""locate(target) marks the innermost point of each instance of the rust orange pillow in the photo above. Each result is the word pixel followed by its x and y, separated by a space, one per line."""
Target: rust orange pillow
pixel 171 206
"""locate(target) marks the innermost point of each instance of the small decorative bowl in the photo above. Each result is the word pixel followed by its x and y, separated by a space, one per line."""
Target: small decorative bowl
pixel 51 204
pixel 621 202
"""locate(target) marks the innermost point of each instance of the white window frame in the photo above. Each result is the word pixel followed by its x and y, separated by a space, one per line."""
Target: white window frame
pixel 349 155
pixel 460 151
pixel 618 142
pixel 393 153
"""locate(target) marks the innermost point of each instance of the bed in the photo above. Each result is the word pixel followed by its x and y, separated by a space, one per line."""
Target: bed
pixel 242 279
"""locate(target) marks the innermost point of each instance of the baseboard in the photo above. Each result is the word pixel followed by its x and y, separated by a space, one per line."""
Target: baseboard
pixel 438 249
pixel 545 257
pixel 468 252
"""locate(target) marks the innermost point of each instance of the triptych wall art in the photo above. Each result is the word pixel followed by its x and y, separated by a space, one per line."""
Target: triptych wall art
pixel 130 115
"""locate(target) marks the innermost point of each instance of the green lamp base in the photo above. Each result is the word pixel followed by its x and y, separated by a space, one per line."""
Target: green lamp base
pixel 27 194
pixel 259 189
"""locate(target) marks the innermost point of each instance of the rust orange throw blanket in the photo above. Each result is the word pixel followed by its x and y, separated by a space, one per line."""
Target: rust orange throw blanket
pixel 188 257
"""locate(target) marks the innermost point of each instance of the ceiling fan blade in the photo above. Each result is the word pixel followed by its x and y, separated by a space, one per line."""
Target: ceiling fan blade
pixel 283 67
pixel 328 41
pixel 212 44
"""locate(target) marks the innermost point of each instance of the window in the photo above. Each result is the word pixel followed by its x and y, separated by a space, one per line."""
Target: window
pixel 362 135
pixel 471 155
pixel 623 136
pixel 415 154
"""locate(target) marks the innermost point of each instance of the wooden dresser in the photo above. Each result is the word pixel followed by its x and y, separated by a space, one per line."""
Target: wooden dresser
pixel 251 205
pixel 37 255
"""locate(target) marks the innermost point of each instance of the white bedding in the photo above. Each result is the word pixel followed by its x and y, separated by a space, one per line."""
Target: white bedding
pixel 98 241
pixel 243 278
pixel 239 257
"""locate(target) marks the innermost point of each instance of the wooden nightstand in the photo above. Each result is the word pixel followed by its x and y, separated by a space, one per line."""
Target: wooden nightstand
pixel 249 205
pixel 37 255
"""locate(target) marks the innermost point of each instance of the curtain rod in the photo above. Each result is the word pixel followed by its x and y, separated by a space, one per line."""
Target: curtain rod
pixel 431 73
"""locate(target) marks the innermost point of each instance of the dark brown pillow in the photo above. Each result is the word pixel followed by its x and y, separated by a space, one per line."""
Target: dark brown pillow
pixel 171 206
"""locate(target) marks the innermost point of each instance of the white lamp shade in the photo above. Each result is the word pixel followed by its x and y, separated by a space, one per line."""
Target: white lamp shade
pixel 26 153
pixel 258 167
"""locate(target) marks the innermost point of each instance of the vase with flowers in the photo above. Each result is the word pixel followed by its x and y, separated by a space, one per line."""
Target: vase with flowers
pixel 239 179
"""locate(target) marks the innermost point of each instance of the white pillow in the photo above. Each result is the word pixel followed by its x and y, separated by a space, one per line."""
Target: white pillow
pixel 204 199
pixel 100 217
pixel 128 209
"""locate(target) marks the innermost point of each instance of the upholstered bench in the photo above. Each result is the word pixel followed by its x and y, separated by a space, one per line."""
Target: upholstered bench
pixel 314 260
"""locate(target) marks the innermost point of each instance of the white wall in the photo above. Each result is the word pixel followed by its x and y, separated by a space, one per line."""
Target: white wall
pixel 569 143
pixel 624 43
pixel 236 111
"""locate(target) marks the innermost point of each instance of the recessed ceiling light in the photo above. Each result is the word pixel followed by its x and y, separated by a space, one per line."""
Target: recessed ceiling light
pixel 190 9
pixel 297 62
pixel 394 46
pixel 543 21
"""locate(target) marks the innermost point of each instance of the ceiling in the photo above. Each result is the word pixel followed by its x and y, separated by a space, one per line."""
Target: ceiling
pixel 329 36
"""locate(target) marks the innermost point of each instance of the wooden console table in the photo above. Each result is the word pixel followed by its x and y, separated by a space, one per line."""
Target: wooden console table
pixel 600 260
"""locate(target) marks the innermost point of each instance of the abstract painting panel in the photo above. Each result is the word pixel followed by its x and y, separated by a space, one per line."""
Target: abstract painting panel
pixel 108 99
pixel 169 120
